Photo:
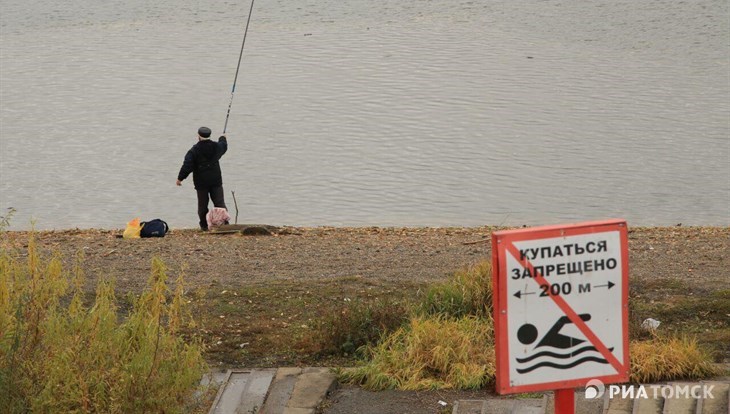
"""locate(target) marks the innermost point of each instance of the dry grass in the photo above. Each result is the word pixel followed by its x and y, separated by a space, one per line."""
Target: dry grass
pixel 431 353
pixel 667 358
pixel 448 344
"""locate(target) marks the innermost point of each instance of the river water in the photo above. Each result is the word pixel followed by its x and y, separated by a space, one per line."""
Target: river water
pixel 368 112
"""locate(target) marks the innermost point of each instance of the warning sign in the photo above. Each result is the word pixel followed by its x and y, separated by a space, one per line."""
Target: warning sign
pixel 561 306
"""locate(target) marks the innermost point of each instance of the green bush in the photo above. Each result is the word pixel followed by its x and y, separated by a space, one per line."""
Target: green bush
pixel 359 324
pixel 469 292
pixel 445 299
pixel 57 355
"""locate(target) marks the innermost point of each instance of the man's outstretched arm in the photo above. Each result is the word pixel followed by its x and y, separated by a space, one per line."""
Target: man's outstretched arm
pixel 187 167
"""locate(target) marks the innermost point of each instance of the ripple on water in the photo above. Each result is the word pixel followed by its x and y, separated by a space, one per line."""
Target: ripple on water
pixel 369 113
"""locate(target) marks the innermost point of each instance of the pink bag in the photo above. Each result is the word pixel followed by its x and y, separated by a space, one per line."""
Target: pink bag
pixel 217 216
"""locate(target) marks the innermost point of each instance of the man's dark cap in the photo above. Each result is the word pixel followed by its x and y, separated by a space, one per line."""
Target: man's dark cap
pixel 204 132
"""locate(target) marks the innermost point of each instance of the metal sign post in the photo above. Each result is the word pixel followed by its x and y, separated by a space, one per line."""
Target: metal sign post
pixel 565 401
pixel 561 308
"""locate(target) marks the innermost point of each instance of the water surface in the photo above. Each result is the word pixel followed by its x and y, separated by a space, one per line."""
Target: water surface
pixel 369 112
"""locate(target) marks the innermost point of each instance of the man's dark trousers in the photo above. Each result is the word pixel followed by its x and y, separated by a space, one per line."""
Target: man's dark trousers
pixel 216 194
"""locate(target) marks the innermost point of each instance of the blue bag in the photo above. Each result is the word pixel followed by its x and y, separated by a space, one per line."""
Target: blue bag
pixel 153 228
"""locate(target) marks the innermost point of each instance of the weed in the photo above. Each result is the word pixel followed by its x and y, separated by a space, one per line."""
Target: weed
pixel 58 355
pixel 430 353
pixel 468 293
pixel 445 299
pixel 359 324
pixel 667 358
pixel 5 220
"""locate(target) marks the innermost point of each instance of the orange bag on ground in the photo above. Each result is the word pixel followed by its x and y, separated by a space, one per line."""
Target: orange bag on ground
pixel 133 229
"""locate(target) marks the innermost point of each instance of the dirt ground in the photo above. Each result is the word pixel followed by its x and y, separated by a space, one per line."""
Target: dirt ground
pixel 696 255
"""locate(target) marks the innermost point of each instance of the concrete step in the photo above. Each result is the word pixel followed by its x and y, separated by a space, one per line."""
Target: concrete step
pixel 281 390
pixel 302 390
pixel 583 405
pixel 543 405
pixel 528 406
pixel 271 391
pixel 310 390
pixel 679 404
pixel 714 399
pixel 649 405
pixel 618 405
pixel 719 400
pixel 499 406
pixel 242 392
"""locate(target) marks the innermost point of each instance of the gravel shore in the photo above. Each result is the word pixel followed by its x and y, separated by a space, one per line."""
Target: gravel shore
pixel 695 255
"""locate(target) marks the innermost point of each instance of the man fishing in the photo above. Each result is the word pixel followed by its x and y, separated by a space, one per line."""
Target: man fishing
pixel 202 161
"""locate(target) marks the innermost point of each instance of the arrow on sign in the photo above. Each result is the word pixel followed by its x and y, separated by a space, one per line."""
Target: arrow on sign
pixel 519 294
pixel 610 285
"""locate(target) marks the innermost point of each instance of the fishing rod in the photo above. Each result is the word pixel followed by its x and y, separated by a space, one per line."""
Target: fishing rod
pixel 240 56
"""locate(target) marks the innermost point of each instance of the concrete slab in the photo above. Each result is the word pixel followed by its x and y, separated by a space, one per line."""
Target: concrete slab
pixel 619 405
pixel 242 392
pixel 254 394
pixel 527 406
pixel 499 406
pixel 679 404
pixel 280 390
pixel 585 405
pixel 548 403
pixel 720 401
pixel 287 372
pixel 301 391
pixel 229 395
pixel 582 404
pixel 291 410
pixel 469 407
pixel 311 388
pixel 214 378
pixel 648 405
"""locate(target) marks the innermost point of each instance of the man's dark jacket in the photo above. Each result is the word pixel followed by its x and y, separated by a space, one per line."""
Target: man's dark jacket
pixel 202 161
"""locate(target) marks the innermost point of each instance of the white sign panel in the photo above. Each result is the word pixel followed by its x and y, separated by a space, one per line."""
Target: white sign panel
pixel 561 306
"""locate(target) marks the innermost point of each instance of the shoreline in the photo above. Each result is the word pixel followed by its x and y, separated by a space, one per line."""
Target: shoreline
pixel 386 227
pixel 419 254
